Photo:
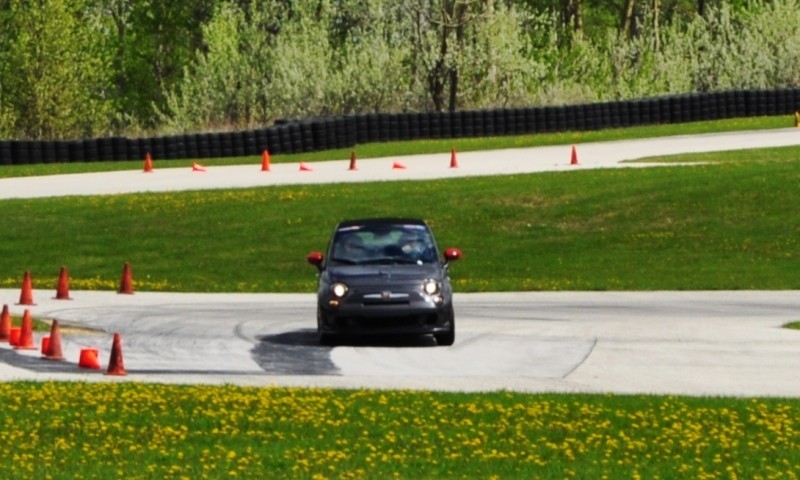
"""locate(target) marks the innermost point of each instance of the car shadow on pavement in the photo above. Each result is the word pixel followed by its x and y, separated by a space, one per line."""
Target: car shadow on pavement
pixel 299 352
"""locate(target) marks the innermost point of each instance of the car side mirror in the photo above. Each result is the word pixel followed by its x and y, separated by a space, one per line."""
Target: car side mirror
pixel 316 258
pixel 452 254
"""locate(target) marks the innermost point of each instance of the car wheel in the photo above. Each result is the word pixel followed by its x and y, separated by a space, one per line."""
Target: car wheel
pixel 326 339
pixel 446 339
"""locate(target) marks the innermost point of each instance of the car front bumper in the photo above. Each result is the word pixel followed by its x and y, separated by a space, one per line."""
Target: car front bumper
pixel 376 315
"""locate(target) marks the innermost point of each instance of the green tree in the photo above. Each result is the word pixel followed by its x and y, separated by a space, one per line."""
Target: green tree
pixel 56 76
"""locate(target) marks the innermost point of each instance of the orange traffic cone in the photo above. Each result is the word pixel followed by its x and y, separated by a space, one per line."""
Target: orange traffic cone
pixel 62 288
pixel 53 348
pixel 196 167
pixel 126 283
pixel 88 359
pixel 148 163
pixel 26 296
pixel 25 341
pixel 5 325
pixel 352 161
pixel 453 159
pixel 13 337
pixel 115 364
pixel 398 166
pixel 265 161
pixel 574 158
pixel 305 168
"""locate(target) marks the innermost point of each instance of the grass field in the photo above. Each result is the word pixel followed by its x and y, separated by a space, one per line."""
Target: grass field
pixel 728 225
pixel 724 225
pixel 139 431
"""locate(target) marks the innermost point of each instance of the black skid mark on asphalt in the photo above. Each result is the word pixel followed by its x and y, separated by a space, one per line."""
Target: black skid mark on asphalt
pixel 294 353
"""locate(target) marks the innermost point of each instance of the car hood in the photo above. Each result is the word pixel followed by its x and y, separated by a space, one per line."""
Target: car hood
pixel 355 275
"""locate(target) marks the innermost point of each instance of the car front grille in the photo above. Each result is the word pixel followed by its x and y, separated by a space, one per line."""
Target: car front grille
pixel 386 322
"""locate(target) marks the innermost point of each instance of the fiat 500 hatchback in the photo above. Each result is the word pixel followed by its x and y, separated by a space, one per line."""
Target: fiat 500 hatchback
pixel 384 276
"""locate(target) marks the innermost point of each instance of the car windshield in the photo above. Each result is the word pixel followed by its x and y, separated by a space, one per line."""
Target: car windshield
pixel 383 244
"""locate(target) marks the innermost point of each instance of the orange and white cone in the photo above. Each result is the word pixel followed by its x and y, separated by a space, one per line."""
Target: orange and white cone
pixel 62 288
pixel 453 159
pixel 126 282
pixel 26 295
pixel 25 341
pixel 115 364
pixel 52 350
pixel 5 325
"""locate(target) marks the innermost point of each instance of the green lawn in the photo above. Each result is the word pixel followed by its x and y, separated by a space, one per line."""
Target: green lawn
pixel 143 431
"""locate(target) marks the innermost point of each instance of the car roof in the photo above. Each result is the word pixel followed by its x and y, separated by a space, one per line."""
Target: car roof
pixel 381 221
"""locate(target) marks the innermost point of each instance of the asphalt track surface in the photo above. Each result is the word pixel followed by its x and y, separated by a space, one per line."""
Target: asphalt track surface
pixel 695 343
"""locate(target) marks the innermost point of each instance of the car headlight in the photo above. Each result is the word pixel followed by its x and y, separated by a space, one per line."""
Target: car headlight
pixel 431 287
pixel 338 289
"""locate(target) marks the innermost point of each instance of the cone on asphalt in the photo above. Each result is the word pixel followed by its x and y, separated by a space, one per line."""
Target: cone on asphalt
pixel 265 161
pixel 5 325
pixel 45 345
pixel 126 283
pixel 353 161
pixel 453 159
pixel 26 296
pixel 196 167
pixel 13 337
pixel 398 166
pixel 88 359
pixel 305 168
pixel 26 333
pixel 574 158
pixel 53 348
pixel 148 163
pixel 115 363
pixel 62 288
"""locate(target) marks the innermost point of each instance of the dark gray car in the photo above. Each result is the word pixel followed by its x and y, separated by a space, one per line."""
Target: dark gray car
pixel 384 276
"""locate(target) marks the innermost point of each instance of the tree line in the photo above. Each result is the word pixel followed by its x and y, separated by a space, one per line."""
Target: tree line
pixel 83 68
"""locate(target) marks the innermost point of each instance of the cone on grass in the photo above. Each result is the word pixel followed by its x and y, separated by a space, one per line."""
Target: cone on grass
pixel 25 341
pixel 574 158
pixel 62 288
pixel 115 363
pixel 353 161
pixel 88 359
pixel 305 168
pixel 53 348
pixel 453 159
pixel 196 167
pixel 5 325
pixel 148 163
pixel 265 161
pixel 26 296
pixel 126 283
pixel 398 166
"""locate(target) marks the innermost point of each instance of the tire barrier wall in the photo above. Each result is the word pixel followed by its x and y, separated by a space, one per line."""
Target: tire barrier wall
pixel 342 132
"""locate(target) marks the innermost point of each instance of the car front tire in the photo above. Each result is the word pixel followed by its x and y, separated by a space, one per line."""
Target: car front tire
pixel 447 338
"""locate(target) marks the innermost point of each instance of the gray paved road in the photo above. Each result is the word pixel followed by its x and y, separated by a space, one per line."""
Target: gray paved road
pixel 718 343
